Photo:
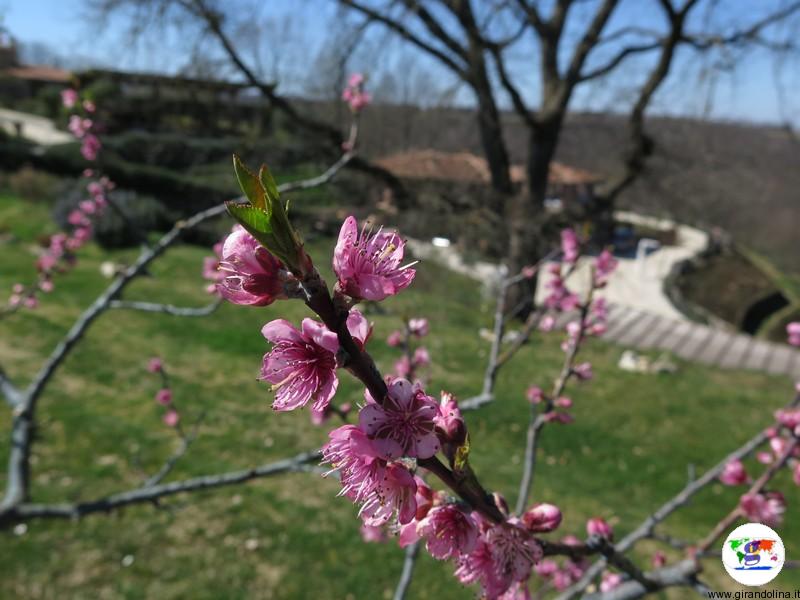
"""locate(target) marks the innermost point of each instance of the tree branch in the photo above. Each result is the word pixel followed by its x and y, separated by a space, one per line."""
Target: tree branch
pixel 406 575
pixel 169 309
pixel 152 493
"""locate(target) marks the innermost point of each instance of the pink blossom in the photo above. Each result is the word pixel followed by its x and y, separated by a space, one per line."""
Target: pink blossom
pixel 154 365
pixel 425 498
pixel 569 245
pixel 796 474
pixel 563 402
pixel 583 371
pixel 448 532
pixel 764 458
pixel 513 550
pixel 250 274
pixel 733 473
pixel 46 262
pixel 88 207
pixel 404 422
pixel 659 559
pixel 598 526
pixel 395 339
pixel 422 357
pixel 610 581
pixel 517 591
pixel 18 288
pixel 171 418
pixel 546 568
pixel 789 418
pixel 547 323
pixel 301 365
pixel 355 80
pixel 765 508
pixel 88 173
pixel 69 97
pixel 164 396
pixel 793 331
pixel 542 518
pixel 356 98
pixel 14 300
pixel 449 421
pixel 418 327
pixel 479 567
pixel 604 266
pixel 90 146
pixel 372 534
pixel 394 494
pixel 368 264
pixel 402 366
pixel 562 580
pixel 535 394
pixel 558 417
pixel 89 106
pixel 31 302
pixel 78 126
pixel 353 455
pixel 46 285
pixel 77 218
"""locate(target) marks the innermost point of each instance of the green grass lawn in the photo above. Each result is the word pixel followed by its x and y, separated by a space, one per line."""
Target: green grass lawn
pixel 291 537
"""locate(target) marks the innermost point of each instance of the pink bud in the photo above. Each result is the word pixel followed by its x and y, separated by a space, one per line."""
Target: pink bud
pixel 155 365
pixel 46 285
pixel 418 327
pixel 395 339
pixel 563 402
pixel 793 331
pixel 610 581
pixel 598 526
pixel 547 323
pixel 659 559
pixel 541 518
pixel 31 302
pixel 164 396
pixel 421 357
pixel 734 473
pixel 171 418
pixel 535 394
pixel 764 458
pixel 583 371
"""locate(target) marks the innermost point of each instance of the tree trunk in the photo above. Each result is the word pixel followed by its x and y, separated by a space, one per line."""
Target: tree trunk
pixel 528 239
pixel 494 148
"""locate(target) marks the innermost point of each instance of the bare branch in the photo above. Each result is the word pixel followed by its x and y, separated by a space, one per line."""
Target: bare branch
pixel 10 392
pixel 169 464
pixel 679 574
pixel 618 59
pixel 169 309
pixel 406 575
pixel 153 493
pixel 22 428
pixel 407 34
pixel 645 529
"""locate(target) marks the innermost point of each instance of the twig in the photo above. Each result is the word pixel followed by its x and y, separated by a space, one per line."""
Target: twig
pixel 169 309
pixel 538 419
pixel 407 574
pixel 756 488
pixel 11 394
pixel 679 574
pixel 17 476
pixel 646 528
pixel 27 511
pixel 169 464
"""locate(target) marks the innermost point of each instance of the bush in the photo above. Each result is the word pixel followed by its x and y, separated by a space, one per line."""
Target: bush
pixel 31 184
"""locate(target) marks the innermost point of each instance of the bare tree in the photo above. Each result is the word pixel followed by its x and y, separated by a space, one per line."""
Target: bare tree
pixel 467 37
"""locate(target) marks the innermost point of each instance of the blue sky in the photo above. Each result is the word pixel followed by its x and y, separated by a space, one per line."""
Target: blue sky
pixel 748 93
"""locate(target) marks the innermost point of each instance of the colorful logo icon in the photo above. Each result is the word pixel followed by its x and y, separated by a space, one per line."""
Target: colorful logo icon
pixel 753 554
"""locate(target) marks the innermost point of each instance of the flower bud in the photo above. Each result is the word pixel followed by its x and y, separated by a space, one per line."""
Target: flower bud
pixel 541 518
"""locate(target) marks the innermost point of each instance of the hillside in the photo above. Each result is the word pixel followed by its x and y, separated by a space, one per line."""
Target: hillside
pixel 742 178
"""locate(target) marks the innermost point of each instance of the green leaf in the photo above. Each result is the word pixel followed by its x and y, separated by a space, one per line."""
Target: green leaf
pixel 268 183
pixel 461 458
pixel 254 220
pixel 251 185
